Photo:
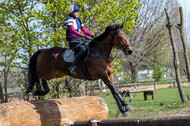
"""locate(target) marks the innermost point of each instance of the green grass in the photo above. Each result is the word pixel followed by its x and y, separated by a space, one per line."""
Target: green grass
pixel 167 102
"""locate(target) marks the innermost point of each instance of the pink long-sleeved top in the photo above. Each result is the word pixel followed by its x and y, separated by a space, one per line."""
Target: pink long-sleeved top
pixel 84 30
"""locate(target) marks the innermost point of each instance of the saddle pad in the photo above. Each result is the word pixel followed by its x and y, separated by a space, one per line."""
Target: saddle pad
pixel 69 56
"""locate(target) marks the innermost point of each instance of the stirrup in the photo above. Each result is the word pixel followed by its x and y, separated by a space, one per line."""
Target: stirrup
pixel 73 70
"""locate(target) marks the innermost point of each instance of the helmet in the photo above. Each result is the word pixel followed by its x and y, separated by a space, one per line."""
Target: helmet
pixel 74 8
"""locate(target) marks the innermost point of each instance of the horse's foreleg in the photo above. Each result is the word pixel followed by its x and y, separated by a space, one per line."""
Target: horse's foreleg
pixel 123 102
pixel 122 105
pixel 111 76
pixel 110 73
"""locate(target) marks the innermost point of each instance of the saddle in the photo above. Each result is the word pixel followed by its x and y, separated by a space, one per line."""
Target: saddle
pixel 69 56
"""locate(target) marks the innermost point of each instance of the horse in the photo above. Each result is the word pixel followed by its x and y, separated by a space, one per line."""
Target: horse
pixel 47 64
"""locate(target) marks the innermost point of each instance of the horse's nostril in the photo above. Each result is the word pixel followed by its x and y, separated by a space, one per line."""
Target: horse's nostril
pixel 130 51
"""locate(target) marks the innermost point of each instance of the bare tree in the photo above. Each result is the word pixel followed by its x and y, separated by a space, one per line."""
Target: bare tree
pixel 176 59
pixel 149 35
pixel 184 43
pixel 173 7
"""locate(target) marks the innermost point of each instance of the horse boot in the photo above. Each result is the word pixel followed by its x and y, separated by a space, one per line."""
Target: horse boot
pixel 73 67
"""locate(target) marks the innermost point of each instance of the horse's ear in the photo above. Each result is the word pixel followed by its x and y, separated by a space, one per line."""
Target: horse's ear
pixel 122 26
pixel 117 26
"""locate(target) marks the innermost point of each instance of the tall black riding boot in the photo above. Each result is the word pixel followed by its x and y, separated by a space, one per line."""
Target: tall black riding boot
pixel 72 68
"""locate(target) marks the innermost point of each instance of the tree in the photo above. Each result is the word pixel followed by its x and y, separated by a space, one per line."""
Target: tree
pixel 175 60
pixel 24 40
pixel 149 36
pixel 8 52
pixel 8 49
pixel 184 43
pixel 2 22
pixel 43 28
pixel 173 8
pixel 95 16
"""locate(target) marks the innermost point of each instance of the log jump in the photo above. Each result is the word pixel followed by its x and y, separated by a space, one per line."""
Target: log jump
pixel 157 121
pixel 56 112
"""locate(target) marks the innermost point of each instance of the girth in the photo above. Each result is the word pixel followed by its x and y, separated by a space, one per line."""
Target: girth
pixel 69 57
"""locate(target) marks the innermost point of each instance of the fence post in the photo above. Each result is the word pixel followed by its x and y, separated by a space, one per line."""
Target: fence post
pixel 135 86
pixel 173 84
pixel 155 86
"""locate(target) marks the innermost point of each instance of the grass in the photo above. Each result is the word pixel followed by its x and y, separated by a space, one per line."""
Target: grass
pixel 167 102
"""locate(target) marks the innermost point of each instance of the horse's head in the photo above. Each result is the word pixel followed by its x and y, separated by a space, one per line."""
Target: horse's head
pixel 119 39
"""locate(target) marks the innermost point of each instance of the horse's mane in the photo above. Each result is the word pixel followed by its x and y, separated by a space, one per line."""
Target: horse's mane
pixel 106 32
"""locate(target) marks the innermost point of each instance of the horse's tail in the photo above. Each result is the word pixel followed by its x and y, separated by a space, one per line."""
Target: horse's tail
pixel 32 72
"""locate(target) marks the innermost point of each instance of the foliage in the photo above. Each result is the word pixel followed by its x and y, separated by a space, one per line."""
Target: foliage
pixel 37 25
pixel 96 17
pixel 158 72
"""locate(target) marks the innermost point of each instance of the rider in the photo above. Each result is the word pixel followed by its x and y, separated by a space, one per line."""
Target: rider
pixel 74 24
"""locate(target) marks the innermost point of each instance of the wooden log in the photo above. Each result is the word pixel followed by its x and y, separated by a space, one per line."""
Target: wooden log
pixel 156 121
pixel 54 112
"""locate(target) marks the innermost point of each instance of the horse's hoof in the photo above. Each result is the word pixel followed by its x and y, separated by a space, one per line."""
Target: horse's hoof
pixel 125 114
pixel 44 93
pixel 129 107
pixel 27 91
pixel 37 93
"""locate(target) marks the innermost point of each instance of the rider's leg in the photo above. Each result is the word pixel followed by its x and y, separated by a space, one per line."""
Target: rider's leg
pixel 81 52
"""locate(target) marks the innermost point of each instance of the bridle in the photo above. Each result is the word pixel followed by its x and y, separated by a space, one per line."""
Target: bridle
pixel 111 44
pixel 120 46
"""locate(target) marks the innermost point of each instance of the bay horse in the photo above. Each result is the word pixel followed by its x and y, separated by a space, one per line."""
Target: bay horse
pixel 47 64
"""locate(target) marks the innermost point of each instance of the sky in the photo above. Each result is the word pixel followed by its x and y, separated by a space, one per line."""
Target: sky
pixel 186 8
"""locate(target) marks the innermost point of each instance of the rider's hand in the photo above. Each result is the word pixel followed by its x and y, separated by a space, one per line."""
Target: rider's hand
pixel 87 37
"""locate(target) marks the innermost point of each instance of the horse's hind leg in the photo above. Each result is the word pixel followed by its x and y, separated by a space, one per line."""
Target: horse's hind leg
pixel 39 88
pixel 31 83
pixel 45 86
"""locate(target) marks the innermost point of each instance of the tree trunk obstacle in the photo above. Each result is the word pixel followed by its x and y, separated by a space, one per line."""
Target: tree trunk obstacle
pixel 56 112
